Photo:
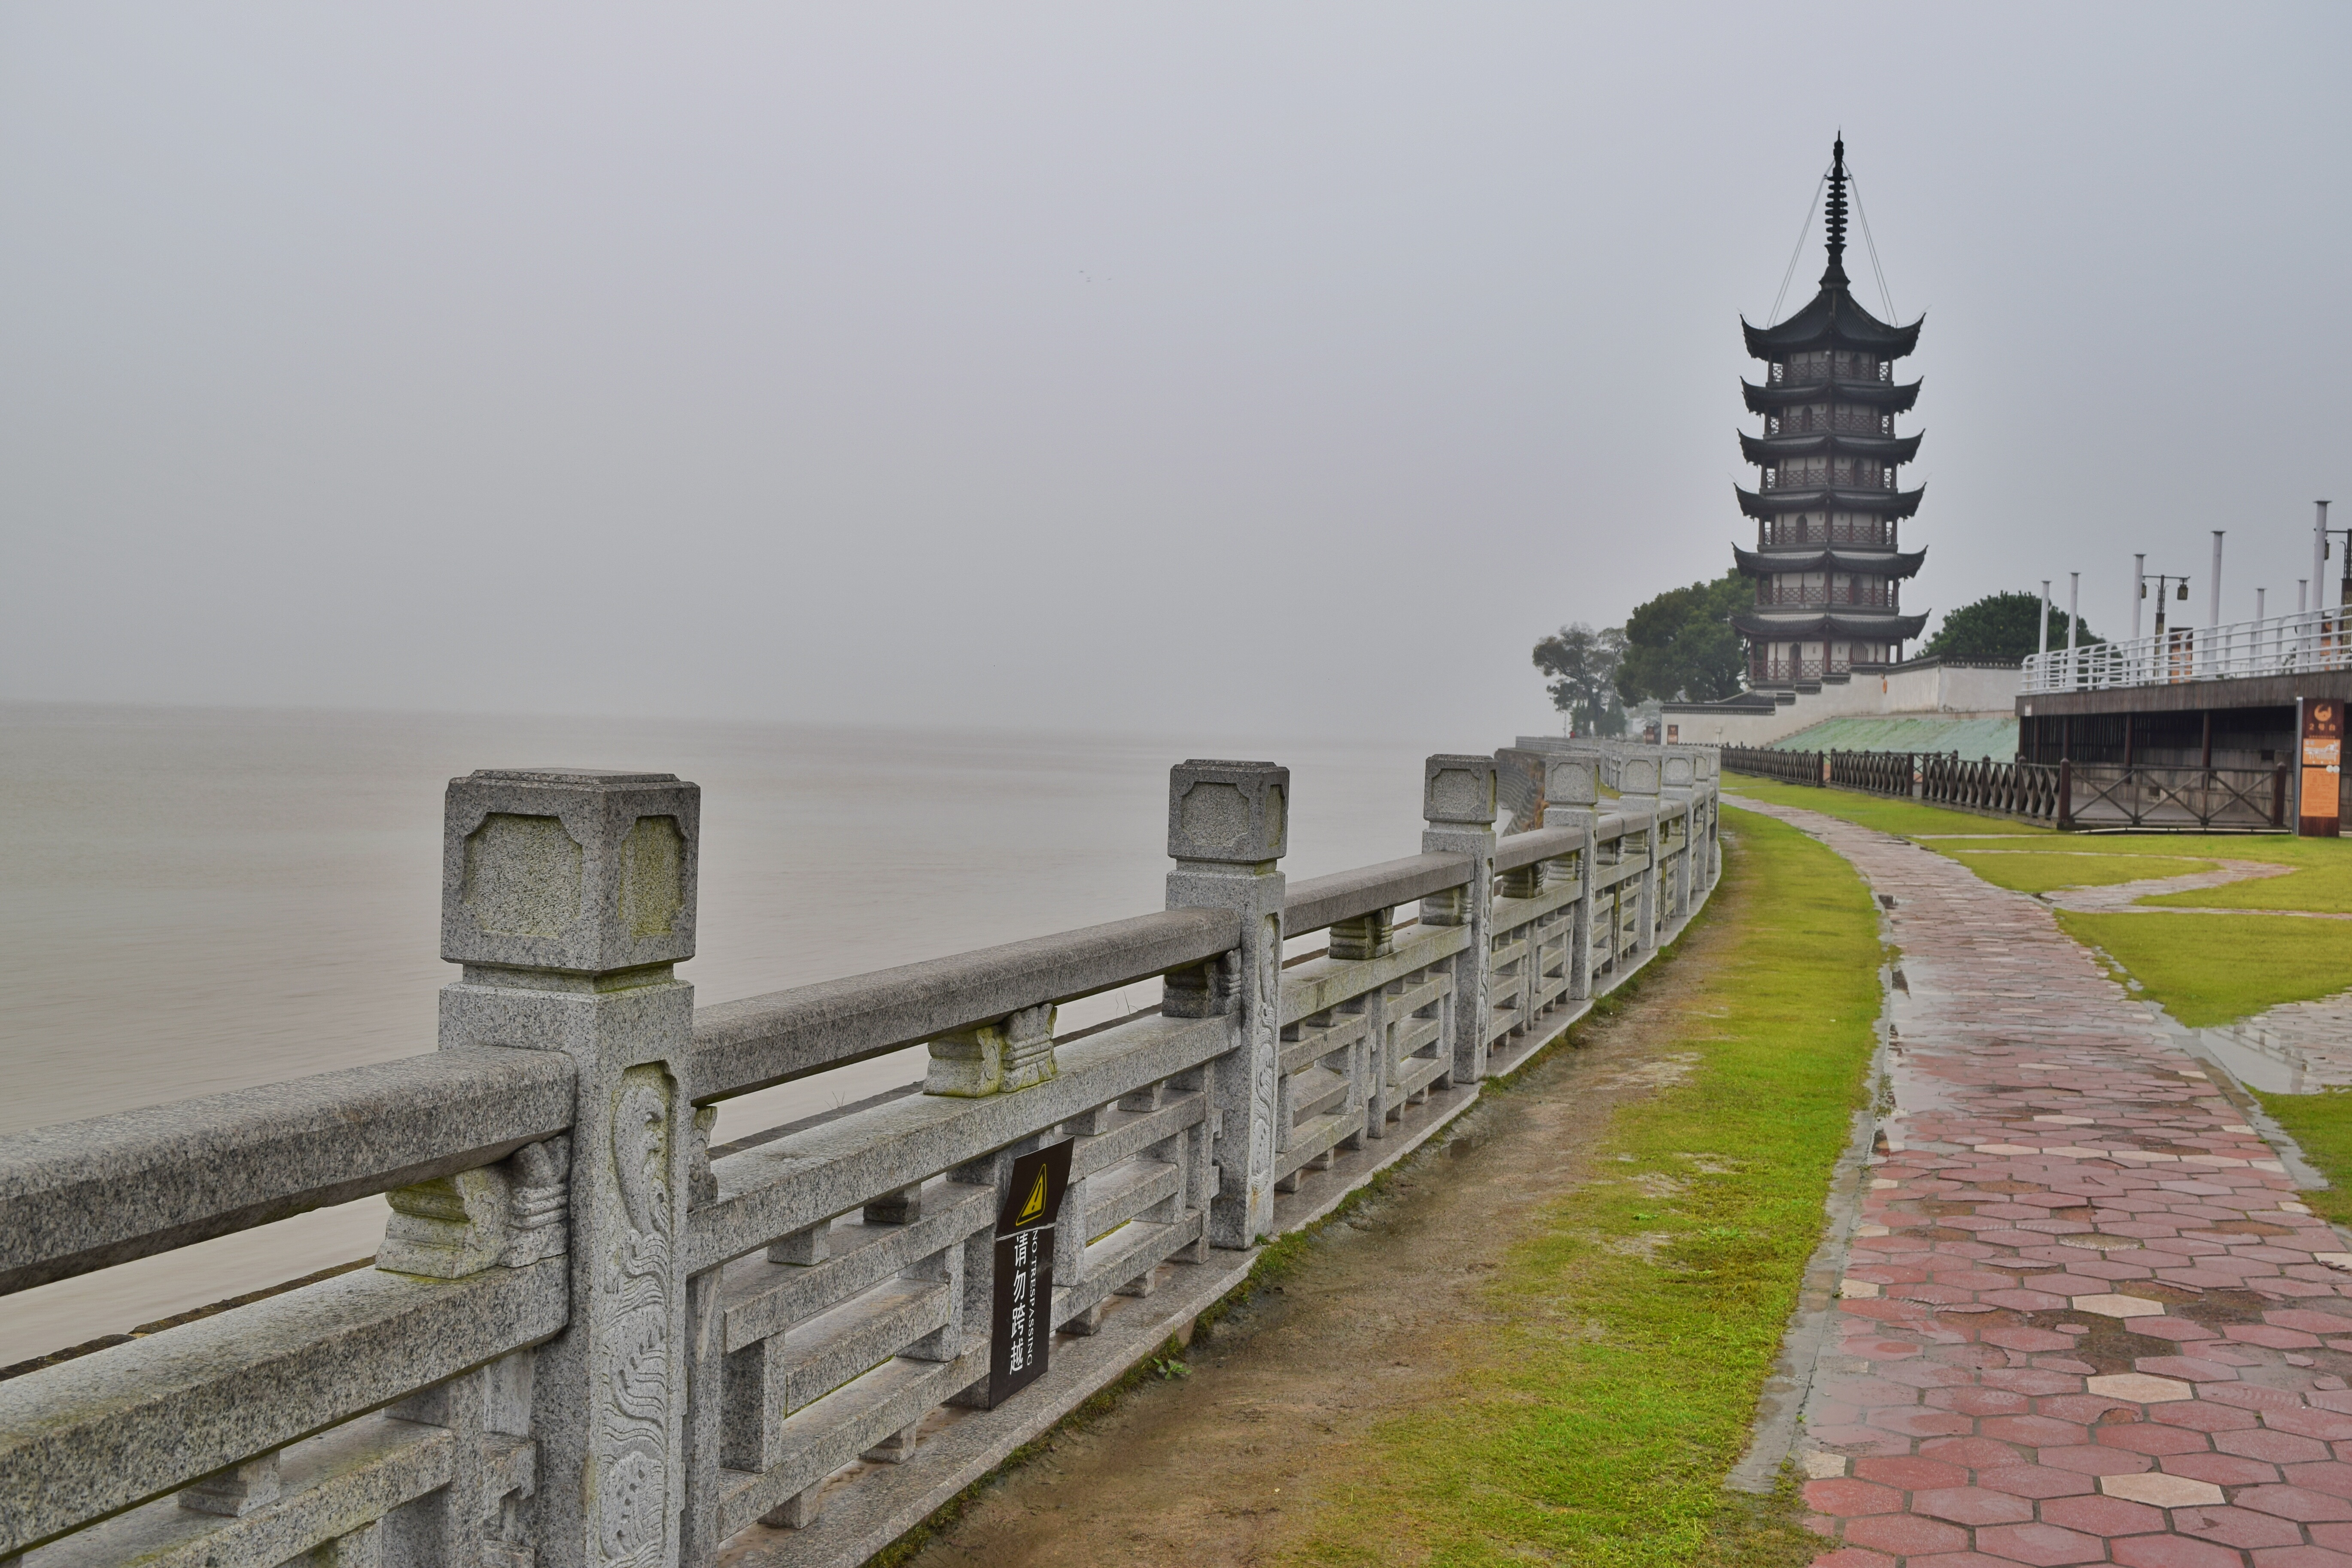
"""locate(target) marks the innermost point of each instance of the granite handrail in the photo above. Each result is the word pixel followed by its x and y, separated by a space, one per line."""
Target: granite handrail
pixel 90 1438
pixel 591 1341
pixel 793 1183
pixel 1514 850
pixel 769 1040
pixel 1316 902
pixel 87 1194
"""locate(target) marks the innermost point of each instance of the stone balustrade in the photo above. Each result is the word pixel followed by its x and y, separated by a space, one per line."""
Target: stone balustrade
pixel 590 1338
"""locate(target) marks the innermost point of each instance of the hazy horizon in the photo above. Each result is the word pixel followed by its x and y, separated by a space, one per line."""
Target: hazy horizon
pixel 1044 369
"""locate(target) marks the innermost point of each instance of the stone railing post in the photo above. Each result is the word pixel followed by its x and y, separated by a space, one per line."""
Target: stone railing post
pixel 1678 783
pixel 1638 783
pixel 1458 802
pixel 1572 799
pixel 1228 825
pixel 568 896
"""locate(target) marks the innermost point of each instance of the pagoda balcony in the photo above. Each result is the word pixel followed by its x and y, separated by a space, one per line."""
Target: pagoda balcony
pixel 1867 532
pixel 1780 596
pixel 1773 480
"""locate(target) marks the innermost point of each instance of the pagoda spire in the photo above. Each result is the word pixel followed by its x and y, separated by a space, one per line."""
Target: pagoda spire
pixel 1836 273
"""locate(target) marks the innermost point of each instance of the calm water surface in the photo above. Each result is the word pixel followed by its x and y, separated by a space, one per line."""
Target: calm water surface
pixel 193 900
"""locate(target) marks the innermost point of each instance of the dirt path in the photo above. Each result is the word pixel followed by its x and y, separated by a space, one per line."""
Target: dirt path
pixel 1219 1467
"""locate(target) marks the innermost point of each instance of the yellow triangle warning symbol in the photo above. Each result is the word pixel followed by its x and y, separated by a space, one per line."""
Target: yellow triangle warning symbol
pixel 1036 1203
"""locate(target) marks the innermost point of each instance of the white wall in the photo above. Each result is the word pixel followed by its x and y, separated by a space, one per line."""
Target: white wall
pixel 1923 687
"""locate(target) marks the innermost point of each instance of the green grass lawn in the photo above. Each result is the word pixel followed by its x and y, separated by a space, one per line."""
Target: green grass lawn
pixel 2039 871
pixel 1888 814
pixel 2211 969
pixel 2204 969
pixel 1595 1423
pixel 2321 1125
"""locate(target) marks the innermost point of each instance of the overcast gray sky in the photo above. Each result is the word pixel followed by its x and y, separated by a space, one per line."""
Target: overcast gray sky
pixel 1124 368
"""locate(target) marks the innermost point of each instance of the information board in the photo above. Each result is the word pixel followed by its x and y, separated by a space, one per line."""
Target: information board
pixel 2318 798
pixel 1021 1329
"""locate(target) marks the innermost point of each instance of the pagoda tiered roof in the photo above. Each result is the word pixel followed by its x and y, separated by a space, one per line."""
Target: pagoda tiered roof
pixel 1833 319
pixel 1879 503
pixel 1815 558
pixel 1767 449
pixel 1854 622
pixel 1895 396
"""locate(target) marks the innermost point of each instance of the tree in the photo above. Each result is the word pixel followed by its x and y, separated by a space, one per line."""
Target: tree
pixel 1586 663
pixel 2001 627
pixel 1681 648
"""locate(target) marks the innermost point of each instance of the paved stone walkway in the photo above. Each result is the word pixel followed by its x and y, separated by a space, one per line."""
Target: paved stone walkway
pixel 2123 897
pixel 2300 1047
pixel 2085 1319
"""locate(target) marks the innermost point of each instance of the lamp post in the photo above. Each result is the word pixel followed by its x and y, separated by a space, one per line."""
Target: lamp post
pixel 2074 621
pixel 2140 590
pixel 2179 586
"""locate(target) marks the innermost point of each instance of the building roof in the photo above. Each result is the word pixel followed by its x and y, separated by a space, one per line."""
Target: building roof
pixel 1832 320
pixel 1897 397
pixel 1832 317
pixel 1883 503
pixel 1765 449
pixel 1813 558
pixel 1854 622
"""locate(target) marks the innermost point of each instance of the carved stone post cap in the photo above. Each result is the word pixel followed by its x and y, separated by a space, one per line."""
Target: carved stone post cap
pixel 1680 769
pixel 575 870
pixel 1639 774
pixel 1233 813
pixel 1458 789
pixel 1573 781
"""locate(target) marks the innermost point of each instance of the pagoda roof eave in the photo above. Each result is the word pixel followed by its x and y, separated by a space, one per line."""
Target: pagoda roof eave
pixel 1821 624
pixel 1761 449
pixel 1895 397
pixel 1832 317
pixel 1769 504
pixel 1765 562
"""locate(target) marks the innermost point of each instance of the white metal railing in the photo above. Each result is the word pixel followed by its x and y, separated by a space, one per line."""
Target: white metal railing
pixel 2277 645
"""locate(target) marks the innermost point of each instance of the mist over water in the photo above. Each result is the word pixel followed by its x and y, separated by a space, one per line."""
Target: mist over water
pixel 195 901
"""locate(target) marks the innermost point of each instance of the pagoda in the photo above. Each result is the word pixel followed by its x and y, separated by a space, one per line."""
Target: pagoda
pixel 1827 567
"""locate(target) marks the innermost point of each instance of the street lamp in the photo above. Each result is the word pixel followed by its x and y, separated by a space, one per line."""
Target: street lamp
pixel 2327 537
pixel 2182 592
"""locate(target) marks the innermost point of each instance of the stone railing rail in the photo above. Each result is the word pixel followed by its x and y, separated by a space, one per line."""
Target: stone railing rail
pixel 591 1339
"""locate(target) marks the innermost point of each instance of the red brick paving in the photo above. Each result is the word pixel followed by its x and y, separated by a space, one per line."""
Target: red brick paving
pixel 2084 1320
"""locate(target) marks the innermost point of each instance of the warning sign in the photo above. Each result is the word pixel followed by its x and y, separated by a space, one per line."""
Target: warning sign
pixel 1020 1328
pixel 2318 799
